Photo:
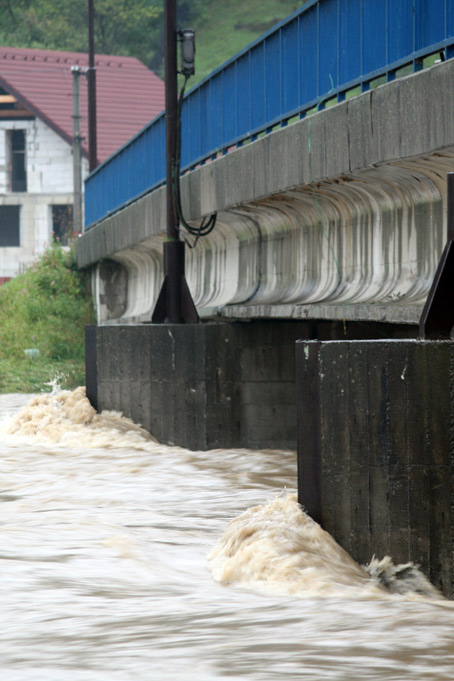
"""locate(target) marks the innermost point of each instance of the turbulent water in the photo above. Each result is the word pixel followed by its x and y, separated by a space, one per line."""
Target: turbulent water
pixel 124 559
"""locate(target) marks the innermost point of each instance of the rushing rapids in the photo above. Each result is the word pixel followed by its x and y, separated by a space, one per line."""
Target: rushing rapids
pixel 277 547
pixel 105 535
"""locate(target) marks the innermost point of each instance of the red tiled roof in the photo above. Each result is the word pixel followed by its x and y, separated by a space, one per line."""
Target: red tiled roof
pixel 129 95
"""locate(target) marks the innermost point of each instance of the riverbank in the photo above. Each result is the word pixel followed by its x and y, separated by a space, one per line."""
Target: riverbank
pixel 43 313
pixel 30 375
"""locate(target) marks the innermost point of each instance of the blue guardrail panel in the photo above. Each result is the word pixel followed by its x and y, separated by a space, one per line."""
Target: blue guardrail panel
pixel 321 51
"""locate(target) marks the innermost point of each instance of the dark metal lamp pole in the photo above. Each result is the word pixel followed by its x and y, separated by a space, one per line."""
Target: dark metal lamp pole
pixel 174 304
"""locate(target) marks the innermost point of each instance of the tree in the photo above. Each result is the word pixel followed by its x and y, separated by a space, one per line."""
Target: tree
pixel 128 27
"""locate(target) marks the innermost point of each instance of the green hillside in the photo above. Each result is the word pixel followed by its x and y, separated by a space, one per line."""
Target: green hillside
pixel 225 28
pixel 135 27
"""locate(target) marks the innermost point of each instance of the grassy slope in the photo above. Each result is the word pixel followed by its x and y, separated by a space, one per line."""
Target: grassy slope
pixel 44 309
pixel 225 28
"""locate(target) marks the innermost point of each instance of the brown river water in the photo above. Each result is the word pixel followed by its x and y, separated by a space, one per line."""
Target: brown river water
pixel 119 562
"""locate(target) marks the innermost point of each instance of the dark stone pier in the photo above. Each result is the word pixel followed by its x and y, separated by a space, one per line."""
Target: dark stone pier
pixel 208 385
pixel 201 386
pixel 376 448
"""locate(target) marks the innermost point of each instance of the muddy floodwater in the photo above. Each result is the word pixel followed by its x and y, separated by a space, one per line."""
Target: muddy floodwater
pixel 119 562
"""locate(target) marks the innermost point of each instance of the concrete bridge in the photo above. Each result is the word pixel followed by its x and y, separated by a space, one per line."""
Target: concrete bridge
pixel 339 213
pixel 326 163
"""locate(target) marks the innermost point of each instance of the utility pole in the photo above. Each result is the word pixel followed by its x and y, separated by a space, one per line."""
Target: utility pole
pixel 174 304
pixel 77 155
pixel 91 76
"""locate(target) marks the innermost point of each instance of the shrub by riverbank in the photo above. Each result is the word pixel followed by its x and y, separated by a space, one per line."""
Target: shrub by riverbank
pixel 43 313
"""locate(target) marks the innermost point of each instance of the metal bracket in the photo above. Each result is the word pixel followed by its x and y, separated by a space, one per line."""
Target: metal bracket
pixel 174 303
pixel 437 318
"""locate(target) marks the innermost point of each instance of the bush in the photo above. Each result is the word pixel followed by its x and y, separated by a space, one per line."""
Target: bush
pixel 46 308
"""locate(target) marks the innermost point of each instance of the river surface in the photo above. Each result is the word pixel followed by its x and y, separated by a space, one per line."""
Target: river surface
pixel 118 563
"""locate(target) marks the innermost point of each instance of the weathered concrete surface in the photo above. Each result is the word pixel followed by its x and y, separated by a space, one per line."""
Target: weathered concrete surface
pixel 381 416
pixel 344 210
pixel 202 386
pixel 228 384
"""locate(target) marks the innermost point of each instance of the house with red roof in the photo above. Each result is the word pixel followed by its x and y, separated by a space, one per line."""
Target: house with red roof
pixel 36 139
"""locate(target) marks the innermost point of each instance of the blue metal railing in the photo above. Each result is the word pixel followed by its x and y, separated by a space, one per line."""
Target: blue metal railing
pixel 320 52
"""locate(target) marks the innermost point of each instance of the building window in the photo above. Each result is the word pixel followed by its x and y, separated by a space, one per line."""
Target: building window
pixel 9 226
pixel 17 164
pixel 62 223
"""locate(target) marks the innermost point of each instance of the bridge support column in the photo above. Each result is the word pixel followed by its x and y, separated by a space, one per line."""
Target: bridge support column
pixel 376 438
pixel 201 386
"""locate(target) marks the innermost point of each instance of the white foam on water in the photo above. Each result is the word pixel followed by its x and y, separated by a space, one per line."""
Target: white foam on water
pixel 274 548
pixel 103 563
pixel 67 418
pixel 277 548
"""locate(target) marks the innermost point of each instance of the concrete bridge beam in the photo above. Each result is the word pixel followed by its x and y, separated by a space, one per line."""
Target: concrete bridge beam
pixel 339 215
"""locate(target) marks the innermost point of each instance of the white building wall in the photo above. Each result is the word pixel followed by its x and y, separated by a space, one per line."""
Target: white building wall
pixel 3 161
pixel 49 165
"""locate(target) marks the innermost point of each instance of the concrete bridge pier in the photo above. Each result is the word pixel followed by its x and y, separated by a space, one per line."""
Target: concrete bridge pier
pixel 213 384
pixel 376 448
pixel 201 386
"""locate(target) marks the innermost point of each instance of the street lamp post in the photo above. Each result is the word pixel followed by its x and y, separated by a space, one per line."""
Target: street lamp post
pixel 174 304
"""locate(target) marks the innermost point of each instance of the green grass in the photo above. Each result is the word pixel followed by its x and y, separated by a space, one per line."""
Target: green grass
pixel 45 310
pixel 224 28
pixel 39 375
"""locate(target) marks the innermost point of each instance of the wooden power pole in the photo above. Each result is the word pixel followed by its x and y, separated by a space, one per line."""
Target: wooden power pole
pixel 91 76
